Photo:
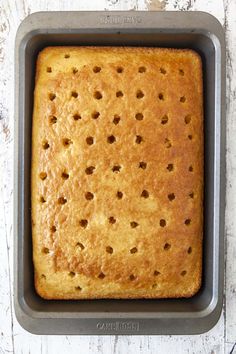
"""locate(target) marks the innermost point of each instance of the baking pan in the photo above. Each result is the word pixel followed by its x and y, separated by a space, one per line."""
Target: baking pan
pixel 196 30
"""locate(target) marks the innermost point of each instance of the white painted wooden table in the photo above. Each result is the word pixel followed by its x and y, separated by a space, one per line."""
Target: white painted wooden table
pixel 222 338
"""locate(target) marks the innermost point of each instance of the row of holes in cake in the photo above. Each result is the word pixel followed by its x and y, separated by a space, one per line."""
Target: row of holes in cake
pixel 167 246
pixel 111 139
pixel 112 220
pixel 119 195
pixel 98 95
pixel 138 116
pixel 131 277
pixel 116 168
pixel 90 196
pixel 119 69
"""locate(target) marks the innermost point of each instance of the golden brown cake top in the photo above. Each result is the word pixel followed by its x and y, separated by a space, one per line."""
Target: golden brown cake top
pixel 117 172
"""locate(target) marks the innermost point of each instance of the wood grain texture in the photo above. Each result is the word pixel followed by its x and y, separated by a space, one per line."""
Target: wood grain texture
pixel 230 27
pixel 13 339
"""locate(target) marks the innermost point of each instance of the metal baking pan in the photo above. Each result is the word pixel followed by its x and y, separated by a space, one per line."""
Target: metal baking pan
pixel 196 30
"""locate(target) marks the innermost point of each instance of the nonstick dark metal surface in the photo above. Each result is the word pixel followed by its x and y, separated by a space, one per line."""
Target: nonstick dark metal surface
pixel 196 30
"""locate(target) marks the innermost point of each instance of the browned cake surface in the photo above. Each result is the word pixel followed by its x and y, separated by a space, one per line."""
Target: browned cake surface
pixel 117 173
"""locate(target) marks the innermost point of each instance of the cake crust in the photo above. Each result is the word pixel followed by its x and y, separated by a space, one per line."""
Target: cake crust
pixel 117 173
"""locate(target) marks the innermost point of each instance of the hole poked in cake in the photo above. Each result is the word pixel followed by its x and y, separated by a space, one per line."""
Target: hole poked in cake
pixel 191 195
pixel 170 167
pixel 156 273
pixel 187 119
pixel 190 168
pixel 45 250
pixel 181 72
pixel 183 273
pixel 52 96
pixel 89 170
pixel 171 197
pixel 97 95
pixel 187 222
pixel 89 196
pixel 139 94
pixel 49 69
pixel 53 229
pixel 167 143
pixel 139 139
pixel 42 199
pixel 111 139
pixel 120 69
pixel 67 56
pixel 145 194
pixel 132 277
pixel 89 140
pixel 78 288
pixel 95 114
pixel 112 220
pixel 71 274
pixel 161 96
pixel 45 144
pixel 182 99
pixel 97 69
pixel 142 165
pixel 65 175
pixel 80 245
pixel 74 94
pixel 77 116
pixel 162 71
pixel 119 195
pixel 116 119
pixel 119 94
pixel 52 120
pixel 190 137
pixel 190 250
pixel 109 249
pixel 142 69
pixel 74 70
pixel 133 224
pixel 43 175
pixel 62 200
pixel 116 168
pixel 163 223
pixel 167 246
pixel 139 116
pixel 83 223
pixel 101 275
pixel 164 119
pixel 133 250
pixel 67 142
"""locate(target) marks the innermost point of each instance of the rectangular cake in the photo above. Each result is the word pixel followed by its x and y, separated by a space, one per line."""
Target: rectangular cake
pixel 117 173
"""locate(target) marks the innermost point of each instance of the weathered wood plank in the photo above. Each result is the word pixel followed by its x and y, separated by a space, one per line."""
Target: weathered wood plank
pixel 230 27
